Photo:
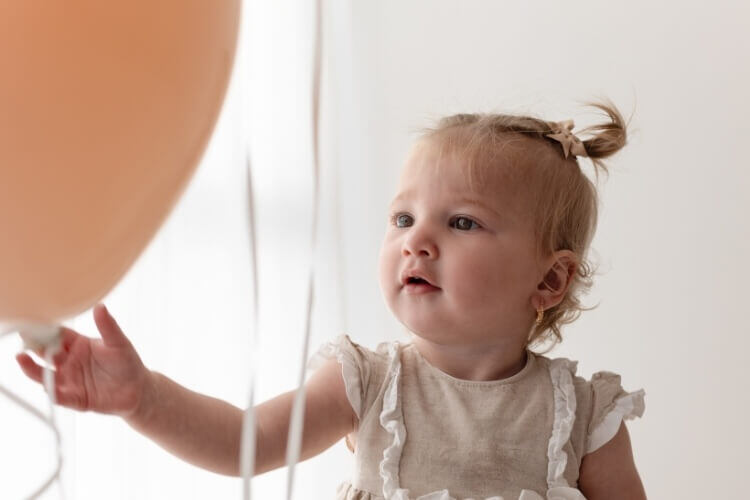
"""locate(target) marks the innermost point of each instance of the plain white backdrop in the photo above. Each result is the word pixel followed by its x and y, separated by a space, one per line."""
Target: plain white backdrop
pixel 672 242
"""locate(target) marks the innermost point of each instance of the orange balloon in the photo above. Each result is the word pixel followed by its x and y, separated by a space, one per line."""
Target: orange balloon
pixel 105 110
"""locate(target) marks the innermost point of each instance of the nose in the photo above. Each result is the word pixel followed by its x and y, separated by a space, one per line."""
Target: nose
pixel 420 243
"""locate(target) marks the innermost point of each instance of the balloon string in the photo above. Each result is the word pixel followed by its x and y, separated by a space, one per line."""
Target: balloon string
pixel 294 443
pixel 247 448
pixel 337 210
pixel 48 379
pixel 248 440
pixel 49 384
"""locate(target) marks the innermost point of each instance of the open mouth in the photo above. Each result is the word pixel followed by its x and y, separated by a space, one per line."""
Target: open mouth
pixel 418 285
pixel 415 280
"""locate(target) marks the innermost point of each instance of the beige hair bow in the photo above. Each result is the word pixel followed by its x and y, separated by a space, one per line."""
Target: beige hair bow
pixel 562 133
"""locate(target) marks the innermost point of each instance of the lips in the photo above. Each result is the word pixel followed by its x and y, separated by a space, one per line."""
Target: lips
pixel 417 281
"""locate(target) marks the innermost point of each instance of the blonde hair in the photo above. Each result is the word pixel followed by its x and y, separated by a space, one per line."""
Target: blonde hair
pixel 562 200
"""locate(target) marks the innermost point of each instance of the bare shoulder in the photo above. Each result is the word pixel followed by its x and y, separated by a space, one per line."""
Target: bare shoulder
pixel 610 472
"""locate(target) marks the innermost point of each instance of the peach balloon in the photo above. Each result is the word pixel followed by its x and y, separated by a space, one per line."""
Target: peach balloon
pixel 105 110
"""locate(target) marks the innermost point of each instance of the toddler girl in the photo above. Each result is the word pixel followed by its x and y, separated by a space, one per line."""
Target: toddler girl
pixel 484 258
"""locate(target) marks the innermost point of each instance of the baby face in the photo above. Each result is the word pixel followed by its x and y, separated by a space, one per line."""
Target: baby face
pixel 457 265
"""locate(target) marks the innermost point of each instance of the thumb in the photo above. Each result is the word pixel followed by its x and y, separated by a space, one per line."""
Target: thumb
pixel 108 328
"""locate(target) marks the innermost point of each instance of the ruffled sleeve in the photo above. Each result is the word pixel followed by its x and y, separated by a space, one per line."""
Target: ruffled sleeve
pixel 611 405
pixel 355 368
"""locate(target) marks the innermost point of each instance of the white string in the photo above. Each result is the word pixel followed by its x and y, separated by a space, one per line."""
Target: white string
pixel 341 66
pixel 247 448
pixel 49 384
pixel 294 443
pixel 248 439
pixel 48 379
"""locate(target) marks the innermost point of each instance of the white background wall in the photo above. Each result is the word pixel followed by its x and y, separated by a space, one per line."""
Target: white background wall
pixel 672 240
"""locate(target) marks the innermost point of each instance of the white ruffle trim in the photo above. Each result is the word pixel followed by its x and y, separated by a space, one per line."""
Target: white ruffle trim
pixel 626 407
pixel 557 493
pixel 349 370
pixel 392 420
pixel 561 373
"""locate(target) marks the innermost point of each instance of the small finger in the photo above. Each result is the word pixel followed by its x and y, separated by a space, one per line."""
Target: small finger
pixel 108 328
pixel 36 372
pixel 29 367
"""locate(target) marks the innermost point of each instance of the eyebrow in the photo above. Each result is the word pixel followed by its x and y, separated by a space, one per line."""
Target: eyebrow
pixel 401 196
pixel 464 200
pixel 480 204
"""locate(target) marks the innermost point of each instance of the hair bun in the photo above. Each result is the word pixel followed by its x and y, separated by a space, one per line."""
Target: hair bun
pixel 608 138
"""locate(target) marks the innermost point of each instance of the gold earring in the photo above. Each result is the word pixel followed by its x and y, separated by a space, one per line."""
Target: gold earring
pixel 539 315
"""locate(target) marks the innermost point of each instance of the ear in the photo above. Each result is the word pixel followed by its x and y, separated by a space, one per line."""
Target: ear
pixel 559 271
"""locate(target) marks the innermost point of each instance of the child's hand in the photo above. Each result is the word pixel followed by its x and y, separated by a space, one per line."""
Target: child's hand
pixel 105 376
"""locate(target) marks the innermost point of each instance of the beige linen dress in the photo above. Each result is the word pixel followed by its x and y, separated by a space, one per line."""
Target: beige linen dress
pixel 424 435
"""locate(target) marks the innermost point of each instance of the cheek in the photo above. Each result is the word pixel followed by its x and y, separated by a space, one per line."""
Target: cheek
pixel 387 267
pixel 486 279
pixel 474 281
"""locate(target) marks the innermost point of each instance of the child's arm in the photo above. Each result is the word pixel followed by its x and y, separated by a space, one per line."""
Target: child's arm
pixel 609 472
pixel 108 376
pixel 206 431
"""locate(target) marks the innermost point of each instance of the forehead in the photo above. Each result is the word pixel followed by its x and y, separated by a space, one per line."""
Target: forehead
pixel 433 167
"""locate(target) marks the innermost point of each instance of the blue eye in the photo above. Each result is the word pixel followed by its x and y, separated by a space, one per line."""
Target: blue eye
pixel 402 220
pixel 463 223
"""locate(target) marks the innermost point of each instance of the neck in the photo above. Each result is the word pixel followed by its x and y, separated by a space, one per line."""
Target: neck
pixel 479 362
